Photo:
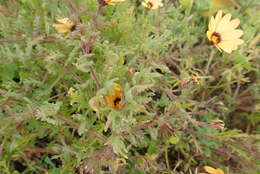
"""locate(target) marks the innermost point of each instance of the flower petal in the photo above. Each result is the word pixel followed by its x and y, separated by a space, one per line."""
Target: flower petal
pixel 211 22
pixel 230 35
pixel 64 21
pixel 113 2
pixel 209 33
pixel 219 171
pixel 214 23
pixel 234 23
pixel 61 28
pixel 210 170
pixel 116 99
pixel 224 24
pixel 230 45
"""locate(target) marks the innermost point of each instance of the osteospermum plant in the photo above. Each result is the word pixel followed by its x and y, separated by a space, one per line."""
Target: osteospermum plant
pixel 135 89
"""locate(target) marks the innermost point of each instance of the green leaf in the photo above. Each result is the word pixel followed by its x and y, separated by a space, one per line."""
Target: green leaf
pixel 118 145
pixel 173 140
pixel 82 127
pixel 47 111
pixel 187 4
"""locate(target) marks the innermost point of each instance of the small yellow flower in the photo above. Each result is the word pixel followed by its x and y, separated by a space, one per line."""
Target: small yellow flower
pixel 195 79
pixel 211 170
pixel 152 4
pixel 116 100
pixel 113 2
pixel 223 34
pixel 66 25
pixel 71 91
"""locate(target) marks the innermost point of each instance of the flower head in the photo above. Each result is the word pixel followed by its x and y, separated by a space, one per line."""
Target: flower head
pixel 223 34
pixel 211 170
pixel 113 2
pixel 116 99
pixel 66 25
pixel 152 4
pixel 195 79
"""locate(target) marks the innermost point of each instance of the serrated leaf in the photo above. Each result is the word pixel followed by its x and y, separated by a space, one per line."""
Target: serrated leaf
pixel 83 64
pixel 118 145
pixel 82 127
pixel 47 111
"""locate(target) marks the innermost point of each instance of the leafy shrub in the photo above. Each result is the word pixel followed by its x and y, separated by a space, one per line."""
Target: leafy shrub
pixel 173 85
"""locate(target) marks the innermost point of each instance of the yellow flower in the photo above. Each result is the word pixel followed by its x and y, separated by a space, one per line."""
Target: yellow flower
pixel 211 170
pixel 223 34
pixel 116 100
pixel 152 4
pixel 113 2
pixel 195 79
pixel 66 25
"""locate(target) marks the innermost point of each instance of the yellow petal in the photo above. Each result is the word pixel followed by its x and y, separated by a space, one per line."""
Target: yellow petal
pixel 228 26
pixel 217 20
pixel 65 21
pixel 210 26
pixel 219 171
pixel 231 35
pixel 225 48
pixel 223 25
pixel 113 2
pixel 209 33
pixel 218 48
pixel 65 26
pixel 61 28
pixel 230 45
pixel 234 23
pixel 210 170
pixel 116 100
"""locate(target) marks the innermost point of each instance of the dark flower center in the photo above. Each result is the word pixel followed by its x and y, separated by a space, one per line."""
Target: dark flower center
pixel 149 4
pixel 117 101
pixel 73 27
pixel 215 38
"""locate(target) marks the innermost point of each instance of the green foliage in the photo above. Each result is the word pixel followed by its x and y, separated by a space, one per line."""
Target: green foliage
pixel 47 79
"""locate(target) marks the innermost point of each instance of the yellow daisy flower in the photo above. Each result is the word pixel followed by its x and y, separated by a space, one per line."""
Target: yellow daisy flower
pixel 116 100
pixel 211 170
pixel 223 34
pixel 113 2
pixel 66 25
pixel 152 4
